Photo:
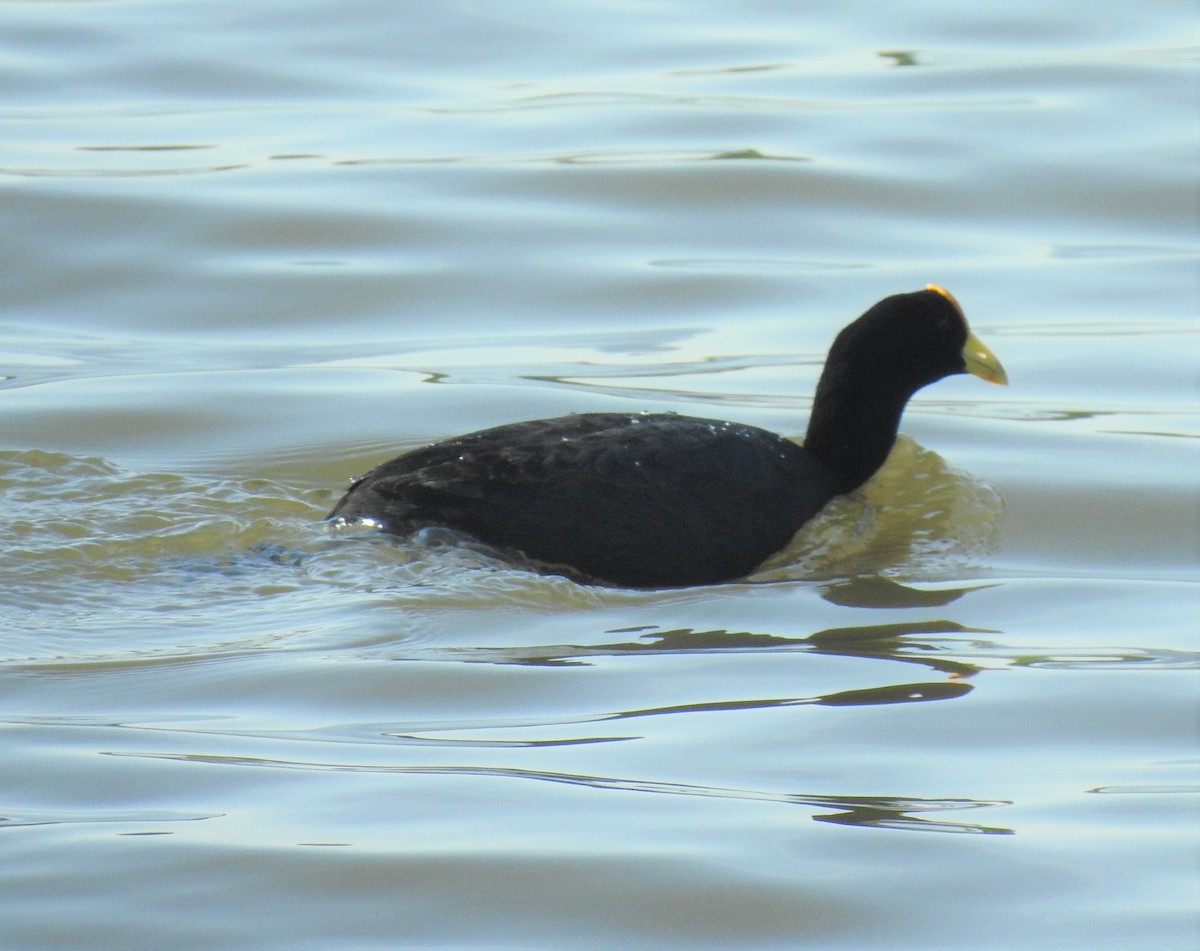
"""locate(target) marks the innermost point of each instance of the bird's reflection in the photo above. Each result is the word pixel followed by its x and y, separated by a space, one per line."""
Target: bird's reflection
pixel 899 642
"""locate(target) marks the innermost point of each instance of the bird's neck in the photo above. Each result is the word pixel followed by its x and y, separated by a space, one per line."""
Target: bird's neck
pixel 852 429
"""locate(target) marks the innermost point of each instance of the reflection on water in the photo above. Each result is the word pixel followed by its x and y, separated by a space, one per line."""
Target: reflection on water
pixel 874 591
pixel 955 654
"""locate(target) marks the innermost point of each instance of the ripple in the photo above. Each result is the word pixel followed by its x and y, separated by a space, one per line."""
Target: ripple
pixel 917 517
pixel 14 819
pixel 1165 789
pixel 882 812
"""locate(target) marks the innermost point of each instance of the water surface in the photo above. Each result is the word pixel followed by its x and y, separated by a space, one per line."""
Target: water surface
pixel 253 250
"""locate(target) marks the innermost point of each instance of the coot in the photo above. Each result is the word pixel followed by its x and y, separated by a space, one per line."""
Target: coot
pixel 658 500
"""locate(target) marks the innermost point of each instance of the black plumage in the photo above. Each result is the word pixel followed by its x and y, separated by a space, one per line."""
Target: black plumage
pixel 661 500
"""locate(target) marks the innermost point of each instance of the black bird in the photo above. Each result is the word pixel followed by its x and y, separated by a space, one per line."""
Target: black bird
pixel 658 500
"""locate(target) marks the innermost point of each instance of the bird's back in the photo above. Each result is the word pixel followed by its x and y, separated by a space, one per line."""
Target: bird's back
pixel 641 500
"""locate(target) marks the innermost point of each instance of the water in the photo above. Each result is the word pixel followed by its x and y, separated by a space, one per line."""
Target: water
pixel 253 249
